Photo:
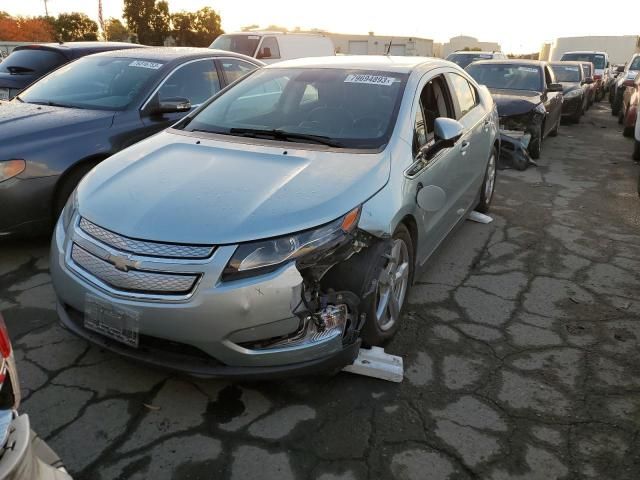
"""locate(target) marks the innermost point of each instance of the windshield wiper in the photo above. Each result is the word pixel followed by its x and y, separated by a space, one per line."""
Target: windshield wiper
pixel 284 135
pixel 54 104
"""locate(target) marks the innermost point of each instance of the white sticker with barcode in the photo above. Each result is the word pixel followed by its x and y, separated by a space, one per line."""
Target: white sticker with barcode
pixel 144 64
pixel 528 69
pixel 369 79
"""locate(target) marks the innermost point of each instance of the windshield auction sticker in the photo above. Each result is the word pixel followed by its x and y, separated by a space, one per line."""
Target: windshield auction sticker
pixel 143 64
pixel 528 69
pixel 369 79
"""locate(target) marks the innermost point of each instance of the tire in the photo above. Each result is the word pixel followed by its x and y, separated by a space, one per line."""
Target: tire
pixel 554 132
pixel 489 183
pixel 362 274
pixel 535 145
pixel 628 131
pixel 636 151
pixel 66 187
pixel 576 118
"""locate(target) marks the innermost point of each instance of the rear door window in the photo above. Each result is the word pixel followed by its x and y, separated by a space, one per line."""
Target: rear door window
pixel 32 61
pixel 195 81
pixel 464 93
pixel 235 69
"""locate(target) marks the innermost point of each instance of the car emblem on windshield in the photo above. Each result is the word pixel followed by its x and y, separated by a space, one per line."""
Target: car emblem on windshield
pixel 123 263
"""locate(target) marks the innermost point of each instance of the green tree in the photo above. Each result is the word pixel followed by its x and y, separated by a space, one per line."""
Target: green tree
pixel 75 26
pixel 115 31
pixel 196 29
pixel 147 19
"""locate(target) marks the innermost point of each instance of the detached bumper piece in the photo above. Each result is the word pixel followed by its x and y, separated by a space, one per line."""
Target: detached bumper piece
pixel 27 456
pixel 513 150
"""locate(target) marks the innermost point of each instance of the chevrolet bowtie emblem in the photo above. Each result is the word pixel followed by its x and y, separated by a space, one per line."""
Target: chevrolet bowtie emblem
pixel 123 263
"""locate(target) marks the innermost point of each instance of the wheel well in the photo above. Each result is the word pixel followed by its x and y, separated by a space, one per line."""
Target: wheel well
pixel 497 146
pixel 86 163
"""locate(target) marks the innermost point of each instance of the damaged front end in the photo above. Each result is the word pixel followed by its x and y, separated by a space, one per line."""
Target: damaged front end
pixel 326 313
pixel 513 150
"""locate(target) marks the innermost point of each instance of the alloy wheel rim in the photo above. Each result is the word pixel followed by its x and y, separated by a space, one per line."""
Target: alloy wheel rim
pixel 392 286
pixel 491 180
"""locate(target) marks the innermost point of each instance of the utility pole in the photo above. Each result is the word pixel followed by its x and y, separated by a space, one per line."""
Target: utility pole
pixel 101 20
pixel 46 8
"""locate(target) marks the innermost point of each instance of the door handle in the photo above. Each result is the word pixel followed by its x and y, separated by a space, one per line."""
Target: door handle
pixel 464 146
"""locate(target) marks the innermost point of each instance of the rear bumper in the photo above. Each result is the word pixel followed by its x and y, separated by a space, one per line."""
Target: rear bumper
pixel 29 457
pixel 26 205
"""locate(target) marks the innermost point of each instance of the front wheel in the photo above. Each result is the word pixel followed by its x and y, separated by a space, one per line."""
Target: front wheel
pixel 628 131
pixel 554 132
pixel 636 151
pixel 535 145
pixel 488 185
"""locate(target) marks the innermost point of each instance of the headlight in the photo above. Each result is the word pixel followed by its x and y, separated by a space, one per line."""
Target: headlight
pixel 266 255
pixel 11 168
pixel 572 94
pixel 69 210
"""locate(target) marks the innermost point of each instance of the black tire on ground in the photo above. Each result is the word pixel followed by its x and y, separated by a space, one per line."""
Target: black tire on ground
pixel 636 151
pixel 577 116
pixel 360 273
pixel 67 185
pixel 535 145
pixel 628 131
pixel 620 116
pixel 484 205
pixel 554 132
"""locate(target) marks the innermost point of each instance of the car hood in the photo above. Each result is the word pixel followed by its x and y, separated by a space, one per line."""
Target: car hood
pixel 514 102
pixel 570 86
pixel 170 188
pixel 26 122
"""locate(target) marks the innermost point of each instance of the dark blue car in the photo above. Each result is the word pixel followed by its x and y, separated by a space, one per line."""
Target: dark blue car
pixel 27 63
pixel 60 127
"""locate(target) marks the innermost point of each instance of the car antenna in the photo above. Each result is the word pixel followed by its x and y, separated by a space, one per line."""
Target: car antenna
pixel 389 47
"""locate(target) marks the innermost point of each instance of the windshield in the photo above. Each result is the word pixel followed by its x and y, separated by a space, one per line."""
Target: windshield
pixel 103 83
pixel 566 73
pixel 343 108
pixel 586 69
pixel 245 44
pixel 596 59
pixel 464 59
pixel 31 61
pixel 507 76
pixel 635 64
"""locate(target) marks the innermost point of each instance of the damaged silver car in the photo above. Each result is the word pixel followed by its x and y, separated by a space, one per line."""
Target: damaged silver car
pixel 279 226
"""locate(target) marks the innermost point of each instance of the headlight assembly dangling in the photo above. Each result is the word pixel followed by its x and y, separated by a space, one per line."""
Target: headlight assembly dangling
pixel 263 256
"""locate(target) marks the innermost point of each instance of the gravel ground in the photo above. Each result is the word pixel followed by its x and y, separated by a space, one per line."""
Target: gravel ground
pixel 521 347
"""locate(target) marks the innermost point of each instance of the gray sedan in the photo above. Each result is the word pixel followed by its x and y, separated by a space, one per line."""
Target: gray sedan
pixel 280 226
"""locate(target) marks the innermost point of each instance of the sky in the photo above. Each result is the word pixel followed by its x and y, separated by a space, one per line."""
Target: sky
pixel 515 25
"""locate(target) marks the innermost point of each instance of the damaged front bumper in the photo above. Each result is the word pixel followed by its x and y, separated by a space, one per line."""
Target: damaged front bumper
pixel 513 149
pixel 255 328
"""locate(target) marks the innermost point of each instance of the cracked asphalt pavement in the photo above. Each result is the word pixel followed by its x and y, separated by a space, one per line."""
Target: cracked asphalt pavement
pixel 521 347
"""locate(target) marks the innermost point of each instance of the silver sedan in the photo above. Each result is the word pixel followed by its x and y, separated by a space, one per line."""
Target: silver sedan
pixel 280 226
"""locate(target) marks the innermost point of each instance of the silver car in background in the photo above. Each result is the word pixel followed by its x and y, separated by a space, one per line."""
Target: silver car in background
pixel 279 226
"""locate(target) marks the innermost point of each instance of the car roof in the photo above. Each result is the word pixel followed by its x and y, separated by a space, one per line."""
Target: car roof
pixel 475 52
pixel 586 51
pixel 514 61
pixel 168 54
pixel 66 47
pixel 400 64
pixel 567 62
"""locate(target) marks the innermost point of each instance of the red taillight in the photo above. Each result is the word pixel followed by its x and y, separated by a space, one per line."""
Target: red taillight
pixel 5 343
pixel 629 83
pixel 597 77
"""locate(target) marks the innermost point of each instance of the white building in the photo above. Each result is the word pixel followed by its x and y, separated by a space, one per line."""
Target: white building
pixel 464 42
pixel 619 48
pixel 373 44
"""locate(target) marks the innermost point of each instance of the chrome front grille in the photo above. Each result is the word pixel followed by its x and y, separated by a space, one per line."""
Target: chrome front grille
pixel 145 248
pixel 133 280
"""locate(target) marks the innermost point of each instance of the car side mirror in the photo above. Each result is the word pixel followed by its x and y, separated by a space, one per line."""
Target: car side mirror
pixel 620 69
pixel 264 52
pixel 170 105
pixel 554 87
pixel 447 132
